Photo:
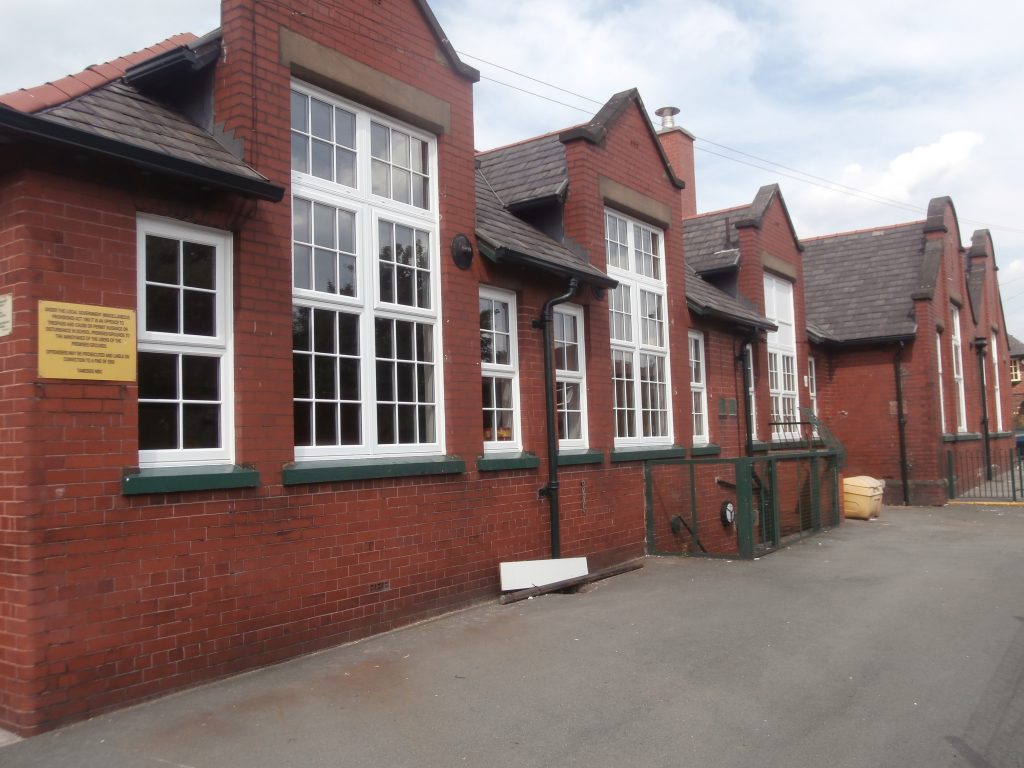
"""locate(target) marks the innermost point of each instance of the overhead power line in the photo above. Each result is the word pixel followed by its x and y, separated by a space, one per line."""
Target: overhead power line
pixel 781 169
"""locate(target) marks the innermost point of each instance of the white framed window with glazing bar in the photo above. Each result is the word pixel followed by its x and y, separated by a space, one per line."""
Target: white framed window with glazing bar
pixel 185 384
pixel 570 377
pixel 641 386
pixel 499 371
pixel 698 389
pixel 365 289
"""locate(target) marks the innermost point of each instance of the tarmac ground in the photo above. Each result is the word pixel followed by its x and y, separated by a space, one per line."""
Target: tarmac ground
pixel 893 643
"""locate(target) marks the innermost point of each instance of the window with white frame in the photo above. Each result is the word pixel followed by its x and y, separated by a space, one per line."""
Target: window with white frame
pixel 778 301
pixel 698 389
pixel 184 344
pixel 366 336
pixel 748 361
pixel 995 384
pixel 639 332
pixel 942 396
pixel 570 376
pixel 499 370
pixel 958 371
pixel 1015 370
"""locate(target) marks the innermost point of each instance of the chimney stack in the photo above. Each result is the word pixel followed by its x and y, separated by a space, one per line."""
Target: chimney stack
pixel 678 145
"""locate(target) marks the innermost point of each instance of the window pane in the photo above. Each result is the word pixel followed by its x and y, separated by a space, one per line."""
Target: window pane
pixel 403 245
pixel 386 424
pixel 325 275
pixel 302 274
pixel 348 334
pixel 301 376
pixel 344 128
pixel 348 379
pixel 302 421
pixel 422 250
pixel 201 426
pixel 325 425
pixel 401 185
pixel 345 167
pixel 387 283
pixel 321 160
pixel 320 119
pixel 200 313
pixel 325 228
pixel 406 373
pixel 424 343
pixel 302 221
pixel 351 428
pixel 199 265
pixel 300 162
pixel 419 155
pixel 346 275
pixel 380 141
pixel 404 332
pixel 406 284
pixel 385 381
pixel 158 376
pixel 200 377
pixel 300 328
pixel 421 192
pixel 162 309
pixel 384 338
pixel 380 175
pixel 158 426
pixel 325 384
pixel 323 331
pixel 161 260
pixel 299 111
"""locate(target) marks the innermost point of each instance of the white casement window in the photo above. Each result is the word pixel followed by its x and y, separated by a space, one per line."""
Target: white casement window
pixel 499 370
pixel 698 389
pixel 778 301
pixel 639 332
pixel 942 397
pixel 184 344
pixel 995 384
pixel 748 361
pixel 1015 370
pixel 958 372
pixel 365 289
pixel 570 377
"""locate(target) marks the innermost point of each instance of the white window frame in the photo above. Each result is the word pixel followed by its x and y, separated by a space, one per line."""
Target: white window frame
pixel 1015 371
pixel 996 384
pixel 219 345
pixel 643 248
pixel 699 389
pixel 782 359
pixel 508 372
pixel 942 397
pixel 566 377
pixel 369 210
pixel 958 370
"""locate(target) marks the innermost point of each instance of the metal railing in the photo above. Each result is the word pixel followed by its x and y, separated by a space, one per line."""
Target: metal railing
pixel 970 477
pixel 774 498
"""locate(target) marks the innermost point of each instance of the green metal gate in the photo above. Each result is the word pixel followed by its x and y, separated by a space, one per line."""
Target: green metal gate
pixel 774 499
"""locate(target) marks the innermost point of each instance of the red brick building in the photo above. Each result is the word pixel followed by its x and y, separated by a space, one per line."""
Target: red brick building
pixel 1016 387
pixel 286 363
pixel 912 328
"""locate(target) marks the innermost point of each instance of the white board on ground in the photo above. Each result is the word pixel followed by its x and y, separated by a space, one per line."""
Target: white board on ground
pixel 537 573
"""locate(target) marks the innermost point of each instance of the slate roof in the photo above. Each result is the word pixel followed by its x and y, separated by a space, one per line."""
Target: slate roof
pixel 710 240
pixel 859 286
pixel 1016 347
pixel 40 97
pixel 705 299
pixel 103 110
pixel 119 111
pixel 526 172
pixel 511 238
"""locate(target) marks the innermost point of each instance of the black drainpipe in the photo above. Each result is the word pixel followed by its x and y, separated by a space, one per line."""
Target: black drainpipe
pixel 902 422
pixel 980 345
pixel 551 489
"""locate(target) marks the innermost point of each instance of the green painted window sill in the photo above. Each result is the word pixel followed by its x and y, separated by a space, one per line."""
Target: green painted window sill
pixel 709 449
pixel 339 470
pixel 578 458
pixel 1000 435
pixel 507 461
pixel 178 479
pixel 961 437
pixel 645 454
pixel 761 447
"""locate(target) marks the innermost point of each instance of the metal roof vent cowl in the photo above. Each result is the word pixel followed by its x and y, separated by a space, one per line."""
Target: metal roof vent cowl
pixel 668 116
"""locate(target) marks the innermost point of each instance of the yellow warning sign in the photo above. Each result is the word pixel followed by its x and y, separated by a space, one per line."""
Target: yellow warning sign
pixel 80 341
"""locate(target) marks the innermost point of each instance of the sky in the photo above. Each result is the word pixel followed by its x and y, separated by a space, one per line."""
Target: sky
pixel 862 112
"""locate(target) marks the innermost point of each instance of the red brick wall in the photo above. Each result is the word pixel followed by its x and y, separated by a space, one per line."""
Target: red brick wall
pixel 109 599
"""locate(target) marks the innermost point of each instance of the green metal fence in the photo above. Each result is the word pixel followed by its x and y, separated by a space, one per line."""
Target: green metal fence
pixel 741 507
pixel 973 476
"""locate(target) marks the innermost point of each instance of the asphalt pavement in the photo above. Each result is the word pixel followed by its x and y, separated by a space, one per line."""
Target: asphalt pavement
pixel 893 643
